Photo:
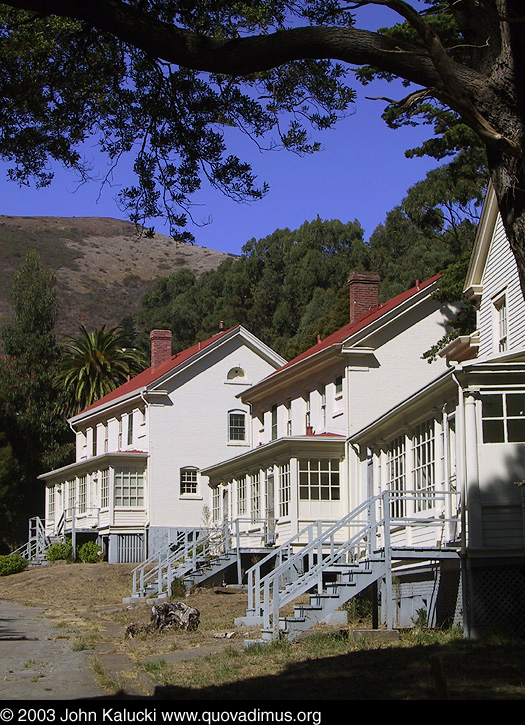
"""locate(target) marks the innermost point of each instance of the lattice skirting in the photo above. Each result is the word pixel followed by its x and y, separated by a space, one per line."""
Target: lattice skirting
pixel 497 598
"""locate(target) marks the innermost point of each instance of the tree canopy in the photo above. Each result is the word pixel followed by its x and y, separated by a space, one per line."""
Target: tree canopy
pixel 33 437
pixel 93 364
pixel 165 78
pixel 291 286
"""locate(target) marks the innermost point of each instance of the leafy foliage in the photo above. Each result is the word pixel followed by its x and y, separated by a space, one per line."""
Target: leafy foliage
pixel 90 552
pixel 12 564
pixel 33 436
pixel 60 551
pixel 93 365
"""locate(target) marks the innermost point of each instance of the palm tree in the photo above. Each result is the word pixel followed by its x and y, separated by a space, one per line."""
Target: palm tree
pixel 94 364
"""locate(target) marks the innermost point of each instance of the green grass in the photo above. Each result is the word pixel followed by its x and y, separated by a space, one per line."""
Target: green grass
pixel 421 665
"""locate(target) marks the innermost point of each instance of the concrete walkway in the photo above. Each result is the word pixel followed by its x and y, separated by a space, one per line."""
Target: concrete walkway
pixel 36 663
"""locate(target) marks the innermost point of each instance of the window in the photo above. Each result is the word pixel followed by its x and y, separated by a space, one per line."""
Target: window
pixel 319 479
pixel 94 442
pixel 274 423
pixel 119 441
pixel 241 496
pixel 289 418
pixel 130 428
pixel 216 504
pixel 322 393
pixel 500 323
pixel 503 417
pixel 236 426
pixel 104 489
pixel 284 489
pixel 82 490
pixel 339 385
pixel 395 463
pixel 51 502
pixel 308 412
pixel 188 481
pixel 71 496
pixel 255 497
pixel 423 468
pixel 129 487
pixel 236 375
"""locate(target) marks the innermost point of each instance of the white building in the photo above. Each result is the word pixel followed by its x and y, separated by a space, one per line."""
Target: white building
pixel 297 471
pixel 140 449
pixel 462 439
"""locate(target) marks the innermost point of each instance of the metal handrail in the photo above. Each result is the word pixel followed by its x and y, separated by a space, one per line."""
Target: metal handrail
pixel 279 587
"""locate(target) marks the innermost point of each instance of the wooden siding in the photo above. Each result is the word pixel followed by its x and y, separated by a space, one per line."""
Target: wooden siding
pixel 503 527
pixel 501 275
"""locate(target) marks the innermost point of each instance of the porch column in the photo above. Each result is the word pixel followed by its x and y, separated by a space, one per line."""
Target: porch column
pixel 294 495
pixel 473 497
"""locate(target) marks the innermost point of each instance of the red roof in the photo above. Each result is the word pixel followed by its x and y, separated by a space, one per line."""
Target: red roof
pixel 336 338
pixel 151 374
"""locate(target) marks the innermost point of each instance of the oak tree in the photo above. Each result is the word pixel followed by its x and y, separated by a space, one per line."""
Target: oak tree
pixel 167 76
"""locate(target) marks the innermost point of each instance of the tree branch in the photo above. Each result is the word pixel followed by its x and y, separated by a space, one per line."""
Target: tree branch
pixel 453 84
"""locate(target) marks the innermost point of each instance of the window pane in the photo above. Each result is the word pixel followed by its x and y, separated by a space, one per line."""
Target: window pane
pixel 516 430
pixel 493 431
pixel 516 404
pixel 492 406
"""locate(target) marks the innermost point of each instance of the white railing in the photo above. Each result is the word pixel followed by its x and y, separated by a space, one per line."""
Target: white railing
pixel 37 542
pixel 186 547
pixel 193 549
pixel 357 538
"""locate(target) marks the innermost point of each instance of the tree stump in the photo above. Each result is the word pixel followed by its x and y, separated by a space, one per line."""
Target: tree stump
pixel 168 615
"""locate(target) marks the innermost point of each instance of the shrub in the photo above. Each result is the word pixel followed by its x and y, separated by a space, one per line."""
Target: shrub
pixel 90 553
pixel 12 564
pixel 59 550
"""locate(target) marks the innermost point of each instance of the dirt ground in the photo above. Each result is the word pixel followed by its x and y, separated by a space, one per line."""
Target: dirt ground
pixel 84 601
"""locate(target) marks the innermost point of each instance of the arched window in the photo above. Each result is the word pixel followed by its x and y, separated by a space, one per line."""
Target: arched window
pixel 236 375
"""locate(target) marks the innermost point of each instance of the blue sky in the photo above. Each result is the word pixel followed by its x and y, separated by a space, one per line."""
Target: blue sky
pixel 361 173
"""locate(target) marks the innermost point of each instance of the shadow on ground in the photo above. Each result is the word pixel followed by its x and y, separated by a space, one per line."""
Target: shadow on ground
pixel 470 671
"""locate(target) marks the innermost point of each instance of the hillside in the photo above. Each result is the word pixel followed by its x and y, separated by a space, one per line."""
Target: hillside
pixel 103 266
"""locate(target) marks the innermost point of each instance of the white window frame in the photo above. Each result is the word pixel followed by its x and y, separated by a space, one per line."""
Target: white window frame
pixel 504 419
pixel 500 322
pixel 285 489
pixel 319 480
pixel 241 496
pixel 235 428
pixel 424 464
pixel 189 481
pixel 104 488
pixel 255 496
pixel 396 476
pixel 129 485
pixel 82 494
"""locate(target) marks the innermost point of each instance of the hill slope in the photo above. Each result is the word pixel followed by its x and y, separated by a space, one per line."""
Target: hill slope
pixel 103 266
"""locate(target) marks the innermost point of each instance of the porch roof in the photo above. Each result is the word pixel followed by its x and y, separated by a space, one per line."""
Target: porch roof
pixel 93 464
pixel 326 444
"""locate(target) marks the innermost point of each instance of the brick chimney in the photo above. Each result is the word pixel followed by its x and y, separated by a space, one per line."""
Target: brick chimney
pixel 364 293
pixel 160 346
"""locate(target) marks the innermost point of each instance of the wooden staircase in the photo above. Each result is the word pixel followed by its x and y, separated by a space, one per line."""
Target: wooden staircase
pixel 335 564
